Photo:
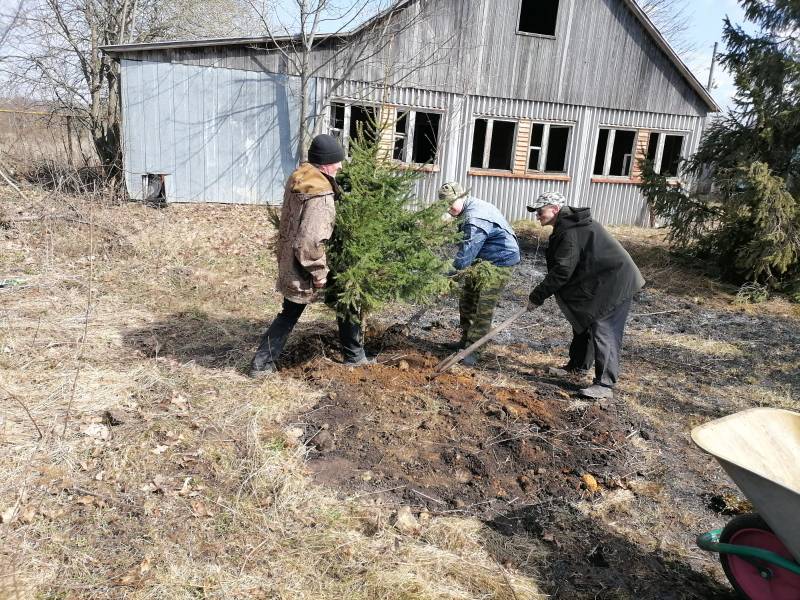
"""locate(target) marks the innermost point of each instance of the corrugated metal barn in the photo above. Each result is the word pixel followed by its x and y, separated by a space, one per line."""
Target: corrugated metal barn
pixel 510 97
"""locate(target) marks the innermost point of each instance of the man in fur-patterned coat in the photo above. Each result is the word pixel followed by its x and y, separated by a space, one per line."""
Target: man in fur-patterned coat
pixel 307 220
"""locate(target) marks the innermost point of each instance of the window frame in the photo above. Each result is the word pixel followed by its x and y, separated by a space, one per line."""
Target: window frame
pixel 609 152
pixel 662 139
pixel 545 148
pixel 408 149
pixel 345 131
pixel 487 143
pixel 546 36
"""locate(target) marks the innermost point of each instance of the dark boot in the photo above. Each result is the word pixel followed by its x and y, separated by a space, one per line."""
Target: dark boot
pixel 274 339
pixel 351 339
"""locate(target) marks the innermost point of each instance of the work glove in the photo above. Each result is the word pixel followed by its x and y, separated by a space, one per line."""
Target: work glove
pixel 533 304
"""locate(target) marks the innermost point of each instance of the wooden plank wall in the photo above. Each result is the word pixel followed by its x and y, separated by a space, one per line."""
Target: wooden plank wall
pixel 601 56
pixel 641 154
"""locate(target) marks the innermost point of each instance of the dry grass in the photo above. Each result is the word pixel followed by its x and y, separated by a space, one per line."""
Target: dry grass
pixel 133 467
pixel 664 272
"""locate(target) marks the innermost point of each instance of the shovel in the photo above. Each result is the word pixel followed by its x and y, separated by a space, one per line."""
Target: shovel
pixel 449 362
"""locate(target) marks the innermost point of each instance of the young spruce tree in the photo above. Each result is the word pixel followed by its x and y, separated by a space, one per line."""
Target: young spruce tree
pixel 750 225
pixel 383 249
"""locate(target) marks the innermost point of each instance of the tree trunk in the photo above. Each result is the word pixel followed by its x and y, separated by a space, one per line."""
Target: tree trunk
pixel 302 137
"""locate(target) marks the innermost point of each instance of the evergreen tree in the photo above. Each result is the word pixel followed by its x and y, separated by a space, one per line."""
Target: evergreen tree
pixel 750 224
pixel 383 250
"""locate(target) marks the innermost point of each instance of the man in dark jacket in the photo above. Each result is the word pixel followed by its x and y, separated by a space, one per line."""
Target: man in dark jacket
pixel 487 237
pixel 594 280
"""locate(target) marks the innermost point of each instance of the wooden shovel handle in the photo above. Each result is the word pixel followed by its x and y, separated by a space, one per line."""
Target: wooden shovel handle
pixel 449 362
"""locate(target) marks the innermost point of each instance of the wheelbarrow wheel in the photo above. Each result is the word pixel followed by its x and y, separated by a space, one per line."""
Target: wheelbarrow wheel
pixel 751 582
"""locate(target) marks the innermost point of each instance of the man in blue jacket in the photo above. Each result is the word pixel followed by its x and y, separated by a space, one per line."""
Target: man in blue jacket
pixel 489 237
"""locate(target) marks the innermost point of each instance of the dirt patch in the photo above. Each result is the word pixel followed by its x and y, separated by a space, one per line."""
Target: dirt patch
pixel 454 443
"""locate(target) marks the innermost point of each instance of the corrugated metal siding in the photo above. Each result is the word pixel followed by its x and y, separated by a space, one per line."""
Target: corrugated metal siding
pixel 611 203
pixel 601 56
pixel 221 135
pixel 228 136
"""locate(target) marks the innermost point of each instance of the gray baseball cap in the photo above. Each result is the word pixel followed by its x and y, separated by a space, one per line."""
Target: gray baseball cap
pixel 548 199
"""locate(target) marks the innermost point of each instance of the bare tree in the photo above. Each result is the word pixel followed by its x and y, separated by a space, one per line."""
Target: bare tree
pixel 672 17
pixel 352 33
pixel 56 58
pixel 8 21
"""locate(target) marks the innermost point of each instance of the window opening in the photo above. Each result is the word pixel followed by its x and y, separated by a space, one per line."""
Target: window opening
pixel 615 152
pixel 337 120
pixel 557 149
pixel 652 146
pixel 426 137
pixel 548 149
pixel 622 154
pixel 363 120
pixel 665 152
pixel 602 147
pixel 479 143
pixel 537 137
pixel 501 145
pixel 671 157
pixel 416 136
pixel 538 16
pixel 493 144
pixel 400 131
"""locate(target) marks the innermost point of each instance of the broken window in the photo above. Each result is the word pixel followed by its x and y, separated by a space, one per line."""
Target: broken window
pixel 538 16
pixel 548 150
pixel 535 153
pixel 615 152
pixel 422 130
pixel 363 122
pixel 671 157
pixel 652 146
pixel 665 152
pixel 400 130
pixel 493 144
pixel 348 121
pixel 479 143
pixel 337 121
pixel 600 157
pixel 557 149
pixel 426 137
pixel 501 148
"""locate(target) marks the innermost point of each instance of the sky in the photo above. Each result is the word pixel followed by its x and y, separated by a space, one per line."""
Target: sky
pixel 706 28
pixel 706 18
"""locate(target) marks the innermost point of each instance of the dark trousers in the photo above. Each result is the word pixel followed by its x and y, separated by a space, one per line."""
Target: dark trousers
pixel 601 344
pixel 274 339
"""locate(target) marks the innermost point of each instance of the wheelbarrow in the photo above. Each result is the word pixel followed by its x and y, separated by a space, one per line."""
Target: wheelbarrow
pixel 760 450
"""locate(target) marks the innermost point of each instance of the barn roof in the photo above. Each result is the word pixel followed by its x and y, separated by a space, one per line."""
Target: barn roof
pixel 400 5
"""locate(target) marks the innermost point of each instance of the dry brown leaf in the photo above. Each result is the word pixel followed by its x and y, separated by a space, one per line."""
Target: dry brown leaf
pixel 28 515
pixel 200 509
pixel 146 565
pixel 97 431
pixel 590 483
pixel 8 515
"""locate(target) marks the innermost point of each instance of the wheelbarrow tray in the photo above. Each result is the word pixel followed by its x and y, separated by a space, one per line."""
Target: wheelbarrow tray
pixel 760 450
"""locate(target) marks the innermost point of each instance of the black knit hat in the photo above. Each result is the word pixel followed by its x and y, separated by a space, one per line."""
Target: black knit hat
pixel 325 150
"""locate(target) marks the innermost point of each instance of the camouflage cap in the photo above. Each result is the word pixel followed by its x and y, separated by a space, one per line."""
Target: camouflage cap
pixel 452 191
pixel 548 199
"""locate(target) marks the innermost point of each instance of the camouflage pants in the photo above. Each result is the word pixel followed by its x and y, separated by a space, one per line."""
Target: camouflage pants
pixel 477 305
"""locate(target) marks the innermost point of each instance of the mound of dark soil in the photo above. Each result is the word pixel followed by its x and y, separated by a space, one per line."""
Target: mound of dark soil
pixel 452 442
